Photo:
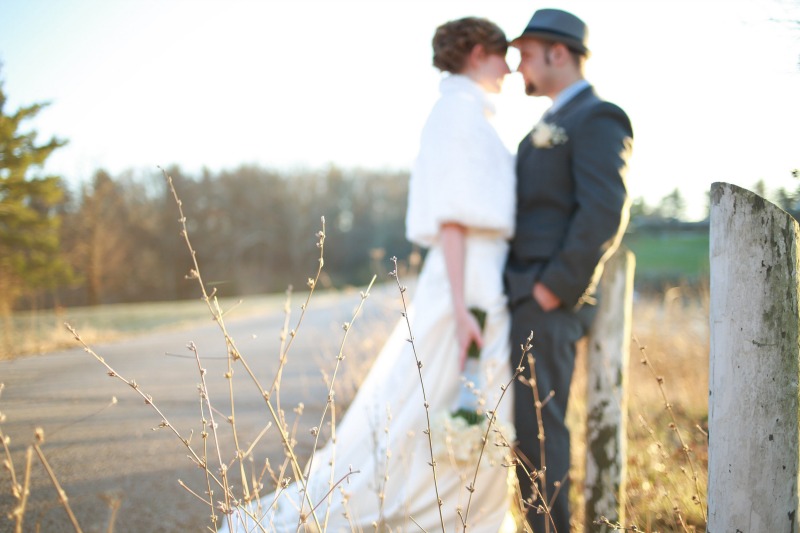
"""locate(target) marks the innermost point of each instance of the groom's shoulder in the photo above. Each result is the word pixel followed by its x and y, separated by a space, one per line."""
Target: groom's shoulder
pixel 588 102
pixel 592 108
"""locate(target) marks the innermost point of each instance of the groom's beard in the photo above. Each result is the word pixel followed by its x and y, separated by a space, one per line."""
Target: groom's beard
pixel 530 89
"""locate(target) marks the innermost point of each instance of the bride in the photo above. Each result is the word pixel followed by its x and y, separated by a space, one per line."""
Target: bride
pixel 461 207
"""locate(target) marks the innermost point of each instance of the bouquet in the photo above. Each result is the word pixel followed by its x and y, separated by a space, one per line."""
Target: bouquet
pixel 459 435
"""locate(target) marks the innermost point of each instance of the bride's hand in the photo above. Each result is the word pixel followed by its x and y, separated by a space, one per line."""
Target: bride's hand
pixel 467 331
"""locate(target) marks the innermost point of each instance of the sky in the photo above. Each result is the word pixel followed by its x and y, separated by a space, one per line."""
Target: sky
pixel 712 86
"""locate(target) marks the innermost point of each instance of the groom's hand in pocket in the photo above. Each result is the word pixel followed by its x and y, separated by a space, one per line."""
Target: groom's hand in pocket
pixel 546 298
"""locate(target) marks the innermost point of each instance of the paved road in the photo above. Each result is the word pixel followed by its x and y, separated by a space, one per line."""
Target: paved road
pixel 116 454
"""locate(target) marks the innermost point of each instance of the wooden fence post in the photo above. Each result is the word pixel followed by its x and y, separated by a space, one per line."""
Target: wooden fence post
pixel 754 365
pixel 607 377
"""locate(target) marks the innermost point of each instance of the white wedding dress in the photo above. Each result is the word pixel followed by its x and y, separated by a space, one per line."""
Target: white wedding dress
pixel 463 174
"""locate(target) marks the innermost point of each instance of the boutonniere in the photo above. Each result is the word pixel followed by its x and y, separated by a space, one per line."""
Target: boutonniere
pixel 546 135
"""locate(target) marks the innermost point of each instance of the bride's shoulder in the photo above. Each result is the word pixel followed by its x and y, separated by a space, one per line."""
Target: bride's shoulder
pixel 452 116
pixel 456 106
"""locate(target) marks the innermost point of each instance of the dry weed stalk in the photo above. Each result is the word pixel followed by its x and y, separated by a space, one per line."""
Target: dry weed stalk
pixel 315 431
pixel 216 312
pixel 204 398
pixel 396 275
pixel 235 355
pixel 676 510
pixel 114 502
pixel 20 492
pixel 492 417
pixel 330 400
pixel 198 459
pixel 685 449
pixel 541 474
pixel 519 460
pixel 615 526
pixel 381 479
pixel 283 349
pixel 62 495
pixel 276 411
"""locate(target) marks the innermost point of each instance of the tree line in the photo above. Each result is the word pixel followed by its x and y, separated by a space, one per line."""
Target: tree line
pixel 253 230
pixel 671 208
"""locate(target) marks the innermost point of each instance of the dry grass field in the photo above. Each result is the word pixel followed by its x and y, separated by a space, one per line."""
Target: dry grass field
pixel 668 364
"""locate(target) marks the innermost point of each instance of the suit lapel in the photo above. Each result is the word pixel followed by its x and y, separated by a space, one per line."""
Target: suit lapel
pixel 574 102
pixel 526 147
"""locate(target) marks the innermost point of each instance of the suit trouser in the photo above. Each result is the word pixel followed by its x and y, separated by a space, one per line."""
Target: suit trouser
pixel 555 334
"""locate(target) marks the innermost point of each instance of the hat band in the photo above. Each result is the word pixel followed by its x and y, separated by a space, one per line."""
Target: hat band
pixel 573 43
pixel 553 32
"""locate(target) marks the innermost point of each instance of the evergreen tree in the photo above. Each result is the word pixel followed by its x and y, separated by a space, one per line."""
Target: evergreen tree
pixel 672 206
pixel 639 209
pixel 760 188
pixel 29 225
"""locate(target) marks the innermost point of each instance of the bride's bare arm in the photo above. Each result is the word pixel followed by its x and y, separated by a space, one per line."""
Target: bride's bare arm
pixel 453 239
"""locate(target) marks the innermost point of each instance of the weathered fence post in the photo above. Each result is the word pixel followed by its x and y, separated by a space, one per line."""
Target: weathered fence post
pixel 607 376
pixel 754 365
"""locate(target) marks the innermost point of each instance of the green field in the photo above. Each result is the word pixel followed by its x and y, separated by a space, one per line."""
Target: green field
pixel 669 256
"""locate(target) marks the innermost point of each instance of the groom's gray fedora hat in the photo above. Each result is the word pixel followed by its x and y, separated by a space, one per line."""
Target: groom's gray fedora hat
pixel 560 26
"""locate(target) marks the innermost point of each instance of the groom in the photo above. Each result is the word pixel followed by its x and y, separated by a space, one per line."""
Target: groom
pixel 572 208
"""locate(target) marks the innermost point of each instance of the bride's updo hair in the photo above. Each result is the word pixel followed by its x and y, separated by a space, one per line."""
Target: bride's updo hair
pixel 454 40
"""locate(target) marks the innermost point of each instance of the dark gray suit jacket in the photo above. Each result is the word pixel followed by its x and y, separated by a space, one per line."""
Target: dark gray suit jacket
pixel 572 203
